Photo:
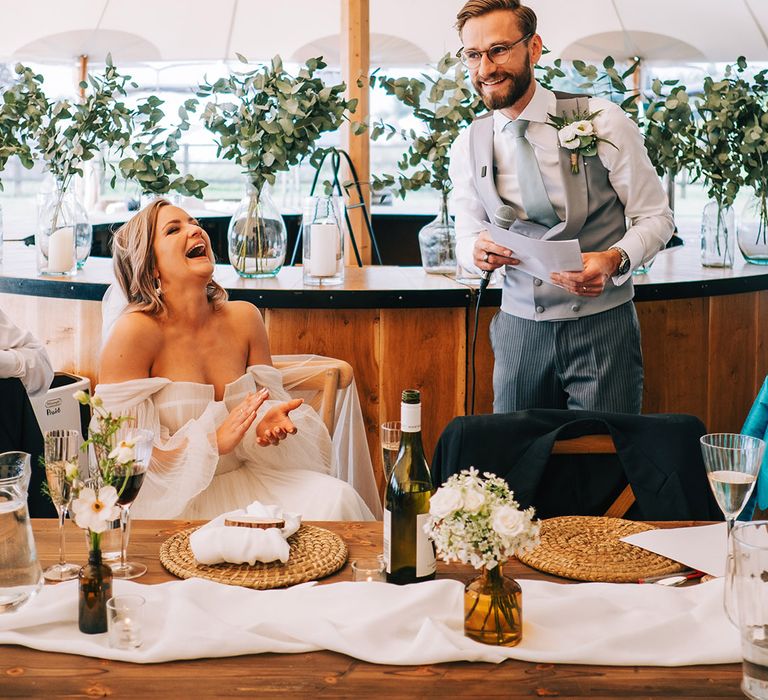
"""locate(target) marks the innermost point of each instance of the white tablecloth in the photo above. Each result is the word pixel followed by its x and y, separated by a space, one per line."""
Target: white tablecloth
pixel 591 623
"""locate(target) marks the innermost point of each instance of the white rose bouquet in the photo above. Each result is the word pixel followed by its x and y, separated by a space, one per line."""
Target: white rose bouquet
pixel 476 520
pixel 578 134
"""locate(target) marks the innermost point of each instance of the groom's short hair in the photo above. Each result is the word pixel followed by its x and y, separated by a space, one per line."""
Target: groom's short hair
pixel 526 17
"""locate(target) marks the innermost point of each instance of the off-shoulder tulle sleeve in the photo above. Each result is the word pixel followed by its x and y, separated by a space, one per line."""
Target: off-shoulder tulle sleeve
pixel 182 464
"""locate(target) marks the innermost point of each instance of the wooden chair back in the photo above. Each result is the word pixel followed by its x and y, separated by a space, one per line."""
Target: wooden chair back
pixel 331 375
pixel 597 444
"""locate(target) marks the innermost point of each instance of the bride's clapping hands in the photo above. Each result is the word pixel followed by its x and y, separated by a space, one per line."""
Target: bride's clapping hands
pixel 232 430
pixel 276 424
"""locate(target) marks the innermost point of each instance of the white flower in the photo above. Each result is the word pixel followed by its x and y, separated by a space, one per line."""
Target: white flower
pixel 444 501
pixel 508 521
pixel 80 397
pixel 93 510
pixel 583 127
pixel 473 500
pixel 568 137
pixel 124 452
pixel 97 401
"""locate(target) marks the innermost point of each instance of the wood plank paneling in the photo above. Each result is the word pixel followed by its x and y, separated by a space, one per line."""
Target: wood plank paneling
pixel 732 343
pixel 675 342
pixel 424 349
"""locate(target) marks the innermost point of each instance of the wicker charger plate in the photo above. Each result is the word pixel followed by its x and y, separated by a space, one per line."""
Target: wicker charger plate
pixel 315 553
pixel 588 548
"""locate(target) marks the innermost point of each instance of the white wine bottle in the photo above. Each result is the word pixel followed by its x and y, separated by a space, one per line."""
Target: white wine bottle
pixel 409 554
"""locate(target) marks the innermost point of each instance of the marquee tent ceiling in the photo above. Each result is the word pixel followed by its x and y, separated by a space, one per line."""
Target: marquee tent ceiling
pixel 404 32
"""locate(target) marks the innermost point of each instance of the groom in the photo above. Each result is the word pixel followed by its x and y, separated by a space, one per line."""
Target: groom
pixel 571 340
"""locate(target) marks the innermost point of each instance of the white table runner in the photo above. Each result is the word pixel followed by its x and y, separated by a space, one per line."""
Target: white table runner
pixel 591 623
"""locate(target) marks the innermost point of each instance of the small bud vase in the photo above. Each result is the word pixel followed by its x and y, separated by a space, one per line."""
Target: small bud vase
pixel 493 609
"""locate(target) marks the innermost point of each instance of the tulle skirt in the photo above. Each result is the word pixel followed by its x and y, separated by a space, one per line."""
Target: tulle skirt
pixel 315 496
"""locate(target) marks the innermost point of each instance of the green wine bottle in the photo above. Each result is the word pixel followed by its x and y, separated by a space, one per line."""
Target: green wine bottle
pixel 409 554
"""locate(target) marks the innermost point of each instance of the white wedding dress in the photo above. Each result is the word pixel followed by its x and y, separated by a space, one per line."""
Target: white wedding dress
pixel 188 479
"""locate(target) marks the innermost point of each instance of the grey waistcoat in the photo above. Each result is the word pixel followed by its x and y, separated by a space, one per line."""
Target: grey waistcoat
pixel 594 215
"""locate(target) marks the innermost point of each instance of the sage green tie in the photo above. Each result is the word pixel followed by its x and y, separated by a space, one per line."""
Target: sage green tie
pixel 534 195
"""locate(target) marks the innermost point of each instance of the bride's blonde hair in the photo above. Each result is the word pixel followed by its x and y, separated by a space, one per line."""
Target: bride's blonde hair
pixel 134 263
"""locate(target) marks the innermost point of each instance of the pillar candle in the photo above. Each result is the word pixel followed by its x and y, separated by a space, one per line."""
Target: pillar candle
pixel 61 250
pixel 323 247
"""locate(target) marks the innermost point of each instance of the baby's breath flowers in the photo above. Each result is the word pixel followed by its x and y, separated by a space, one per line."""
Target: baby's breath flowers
pixel 476 520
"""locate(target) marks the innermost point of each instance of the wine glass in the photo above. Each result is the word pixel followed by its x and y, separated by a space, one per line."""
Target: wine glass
pixel 390 445
pixel 127 480
pixel 733 463
pixel 62 471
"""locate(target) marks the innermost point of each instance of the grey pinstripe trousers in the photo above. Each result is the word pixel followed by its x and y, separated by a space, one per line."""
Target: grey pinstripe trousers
pixel 592 363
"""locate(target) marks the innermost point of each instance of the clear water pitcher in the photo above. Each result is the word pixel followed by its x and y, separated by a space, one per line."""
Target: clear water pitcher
pixel 20 574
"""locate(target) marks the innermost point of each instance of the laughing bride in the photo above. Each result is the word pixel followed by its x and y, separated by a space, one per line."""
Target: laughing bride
pixel 196 370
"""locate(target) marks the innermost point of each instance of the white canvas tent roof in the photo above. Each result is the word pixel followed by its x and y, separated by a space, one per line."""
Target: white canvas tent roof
pixel 404 32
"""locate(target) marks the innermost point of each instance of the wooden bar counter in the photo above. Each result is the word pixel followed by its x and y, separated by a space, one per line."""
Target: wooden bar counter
pixel 28 673
pixel 705 332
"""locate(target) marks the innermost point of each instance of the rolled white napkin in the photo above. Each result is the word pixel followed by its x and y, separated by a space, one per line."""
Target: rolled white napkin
pixel 215 542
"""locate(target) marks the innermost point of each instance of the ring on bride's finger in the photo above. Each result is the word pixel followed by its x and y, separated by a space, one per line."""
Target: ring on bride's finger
pixel 486 256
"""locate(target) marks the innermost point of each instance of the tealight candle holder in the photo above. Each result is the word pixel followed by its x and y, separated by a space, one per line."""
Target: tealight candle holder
pixel 369 570
pixel 124 621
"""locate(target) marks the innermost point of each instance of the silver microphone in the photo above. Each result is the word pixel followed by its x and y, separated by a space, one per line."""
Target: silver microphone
pixel 503 217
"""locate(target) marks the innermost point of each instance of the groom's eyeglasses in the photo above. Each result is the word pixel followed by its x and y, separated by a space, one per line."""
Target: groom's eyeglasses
pixel 497 54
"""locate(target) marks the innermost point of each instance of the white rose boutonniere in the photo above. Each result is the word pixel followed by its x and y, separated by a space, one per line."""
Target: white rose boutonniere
pixel 578 134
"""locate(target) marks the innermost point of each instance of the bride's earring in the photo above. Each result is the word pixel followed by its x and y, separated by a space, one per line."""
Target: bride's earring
pixel 158 287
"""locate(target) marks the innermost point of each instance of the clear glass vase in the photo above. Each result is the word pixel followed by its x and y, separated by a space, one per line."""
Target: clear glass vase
pixel 717 235
pixel 437 242
pixel 752 231
pixel 256 237
pixel 493 609
pixel 64 234
pixel 324 230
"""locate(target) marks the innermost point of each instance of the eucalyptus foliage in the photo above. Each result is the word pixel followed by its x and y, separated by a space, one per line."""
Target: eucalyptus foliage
pixel 670 129
pixel 64 135
pixel 152 149
pixel 267 120
pixel 445 105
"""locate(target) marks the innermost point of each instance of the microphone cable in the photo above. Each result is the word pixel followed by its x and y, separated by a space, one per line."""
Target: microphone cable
pixel 483 286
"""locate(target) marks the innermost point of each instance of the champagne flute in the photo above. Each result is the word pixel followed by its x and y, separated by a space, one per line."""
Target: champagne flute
pixel 390 445
pixel 62 471
pixel 127 479
pixel 732 462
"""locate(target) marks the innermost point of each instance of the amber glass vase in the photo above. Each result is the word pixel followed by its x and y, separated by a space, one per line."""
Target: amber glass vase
pixel 493 609
pixel 95 590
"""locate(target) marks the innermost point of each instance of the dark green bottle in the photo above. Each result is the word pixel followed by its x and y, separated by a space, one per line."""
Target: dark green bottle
pixel 409 554
pixel 95 590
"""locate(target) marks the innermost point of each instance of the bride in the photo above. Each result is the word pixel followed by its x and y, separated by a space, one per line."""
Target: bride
pixel 196 370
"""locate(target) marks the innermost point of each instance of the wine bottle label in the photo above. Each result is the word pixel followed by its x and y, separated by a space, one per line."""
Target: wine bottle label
pixel 410 417
pixel 425 552
pixel 388 540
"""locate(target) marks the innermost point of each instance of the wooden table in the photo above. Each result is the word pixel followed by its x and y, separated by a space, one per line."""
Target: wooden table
pixel 28 673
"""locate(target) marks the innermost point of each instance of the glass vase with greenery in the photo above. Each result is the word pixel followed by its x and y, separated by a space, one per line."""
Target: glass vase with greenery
pixel 267 120
pixel 63 136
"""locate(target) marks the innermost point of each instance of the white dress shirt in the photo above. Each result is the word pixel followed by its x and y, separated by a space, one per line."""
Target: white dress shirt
pixel 23 356
pixel 629 171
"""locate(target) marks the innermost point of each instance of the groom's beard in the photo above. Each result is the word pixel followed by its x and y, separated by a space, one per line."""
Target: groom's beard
pixel 515 87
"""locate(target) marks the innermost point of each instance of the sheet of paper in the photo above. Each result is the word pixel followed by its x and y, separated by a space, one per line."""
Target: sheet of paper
pixel 702 548
pixel 539 258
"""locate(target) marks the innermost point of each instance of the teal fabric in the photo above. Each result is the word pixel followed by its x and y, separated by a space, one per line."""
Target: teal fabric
pixel 756 425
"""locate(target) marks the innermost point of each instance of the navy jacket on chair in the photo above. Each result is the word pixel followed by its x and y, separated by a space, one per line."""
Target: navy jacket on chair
pixel 659 455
